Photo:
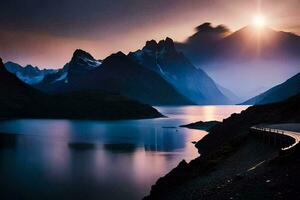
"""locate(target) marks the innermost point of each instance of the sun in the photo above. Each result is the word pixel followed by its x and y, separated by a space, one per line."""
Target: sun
pixel 259 21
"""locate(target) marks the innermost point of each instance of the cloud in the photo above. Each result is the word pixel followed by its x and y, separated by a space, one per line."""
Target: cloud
pixel 207 27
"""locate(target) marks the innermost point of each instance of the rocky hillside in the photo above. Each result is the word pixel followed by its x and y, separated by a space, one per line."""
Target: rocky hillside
pixel 233 164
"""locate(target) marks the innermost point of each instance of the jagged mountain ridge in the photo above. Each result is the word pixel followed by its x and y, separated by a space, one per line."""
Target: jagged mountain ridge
pixel 169 77
pixel 117 74
pixel 28 74
pixel 173 66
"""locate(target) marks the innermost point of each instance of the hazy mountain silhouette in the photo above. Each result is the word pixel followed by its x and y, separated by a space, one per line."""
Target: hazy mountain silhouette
pixel 233 98
pixel 174 67
pixel 117 74
pixel 19 100
pixel 245 60
pixel 266 43
pixel 278 93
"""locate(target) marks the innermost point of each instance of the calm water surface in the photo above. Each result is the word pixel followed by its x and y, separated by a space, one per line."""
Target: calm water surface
pixel 66 159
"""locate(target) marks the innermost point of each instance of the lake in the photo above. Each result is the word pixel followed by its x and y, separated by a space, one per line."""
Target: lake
pixel 73 159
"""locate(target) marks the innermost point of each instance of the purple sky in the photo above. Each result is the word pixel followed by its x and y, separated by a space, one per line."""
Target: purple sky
pixel 46 33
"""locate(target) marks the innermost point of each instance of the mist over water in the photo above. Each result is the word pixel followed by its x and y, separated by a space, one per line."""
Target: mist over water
pixel 65 159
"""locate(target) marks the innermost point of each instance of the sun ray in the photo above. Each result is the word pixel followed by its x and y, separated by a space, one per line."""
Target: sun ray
pixel 259 21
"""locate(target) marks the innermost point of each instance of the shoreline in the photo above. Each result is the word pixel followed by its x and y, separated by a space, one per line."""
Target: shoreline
pixel 216 175
pixel 234 164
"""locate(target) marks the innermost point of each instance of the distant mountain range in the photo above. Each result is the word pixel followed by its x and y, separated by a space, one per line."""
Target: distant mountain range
pixel 157 75
pixel 244 61
pixel 28 74
pixel 278 93
pixel 116 74
pixel 176 69
pixel 247 61
pixel 19 100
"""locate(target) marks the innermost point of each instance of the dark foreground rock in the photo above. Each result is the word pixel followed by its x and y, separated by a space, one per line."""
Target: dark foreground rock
pixel 235 165
pixel 7 140
pixel 206 126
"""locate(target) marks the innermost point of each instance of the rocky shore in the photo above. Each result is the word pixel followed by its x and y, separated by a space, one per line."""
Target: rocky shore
pixel 235 165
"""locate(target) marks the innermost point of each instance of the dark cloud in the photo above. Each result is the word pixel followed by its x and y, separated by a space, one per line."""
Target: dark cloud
pixel 207 27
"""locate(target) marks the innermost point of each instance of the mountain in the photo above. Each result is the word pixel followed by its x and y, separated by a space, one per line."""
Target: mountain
pixel 174 67
pixel 19 100
pixel 278 93
pixel 54 82
pixel 16 97
pixel 81 63
pixel 245 60
pixel 115 74
pixel 263 43
pixel 28 74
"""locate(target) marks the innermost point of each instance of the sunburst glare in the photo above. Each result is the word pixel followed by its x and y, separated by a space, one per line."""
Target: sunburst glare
pixel 259 21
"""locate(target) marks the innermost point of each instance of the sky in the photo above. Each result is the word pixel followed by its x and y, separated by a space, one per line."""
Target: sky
pixel 46 33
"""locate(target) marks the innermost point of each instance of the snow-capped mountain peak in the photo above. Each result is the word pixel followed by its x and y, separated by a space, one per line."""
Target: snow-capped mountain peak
pixel 28 74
